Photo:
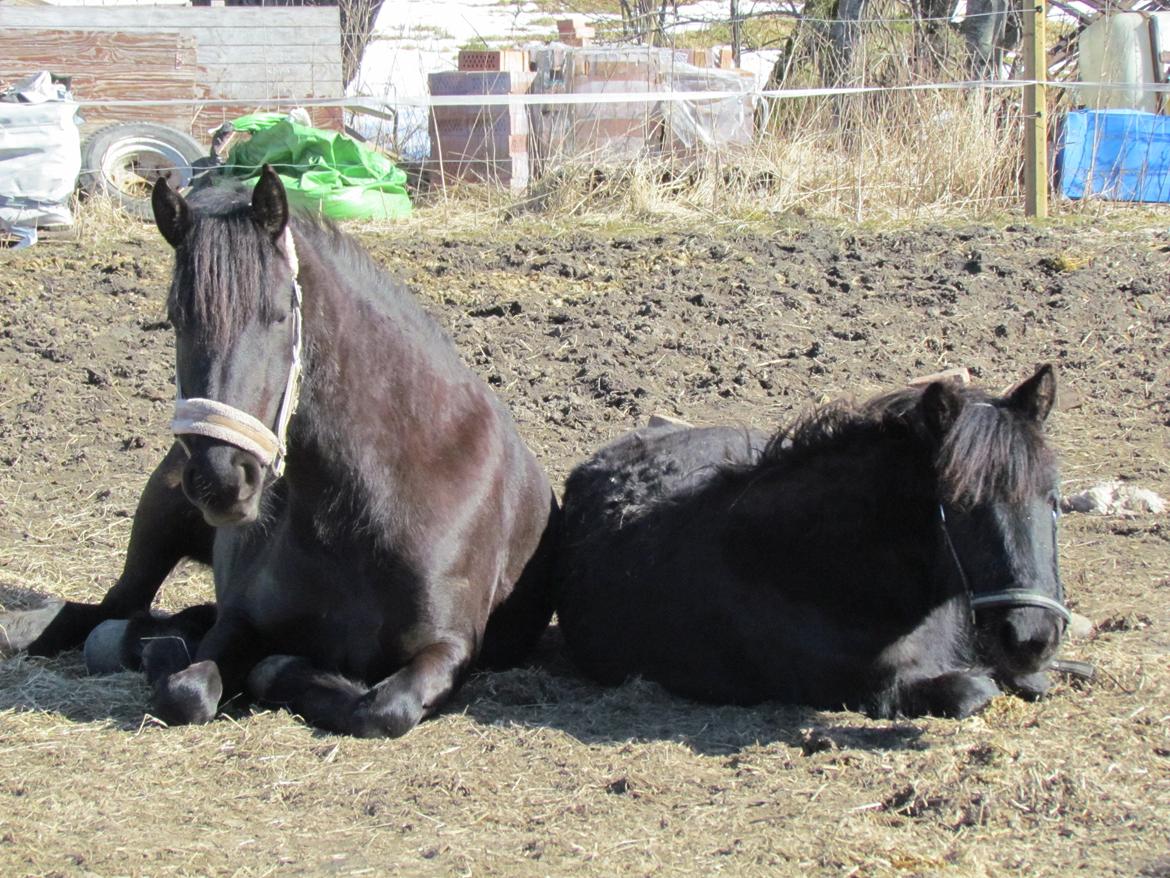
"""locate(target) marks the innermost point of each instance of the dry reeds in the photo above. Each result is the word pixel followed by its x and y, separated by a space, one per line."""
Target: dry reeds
pixel 889 156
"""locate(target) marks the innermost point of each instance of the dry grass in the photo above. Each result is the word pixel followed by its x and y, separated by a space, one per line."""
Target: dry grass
pixel 895 157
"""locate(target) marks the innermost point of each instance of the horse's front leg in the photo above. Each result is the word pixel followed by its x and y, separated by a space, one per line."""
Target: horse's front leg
pixel 388 710
pixel 398 703
pixel 955 694
pixel 166 529
pixel 189 685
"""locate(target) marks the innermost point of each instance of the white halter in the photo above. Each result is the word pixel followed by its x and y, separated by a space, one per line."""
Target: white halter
pixel 218 420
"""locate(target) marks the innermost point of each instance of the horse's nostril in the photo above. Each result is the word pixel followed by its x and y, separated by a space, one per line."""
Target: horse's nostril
pixel 249 473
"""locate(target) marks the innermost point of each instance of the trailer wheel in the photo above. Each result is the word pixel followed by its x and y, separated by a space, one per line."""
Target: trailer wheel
pixel 123 161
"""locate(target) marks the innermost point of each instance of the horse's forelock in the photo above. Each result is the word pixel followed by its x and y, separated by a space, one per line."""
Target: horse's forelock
pixel 992 454
pixel 221 273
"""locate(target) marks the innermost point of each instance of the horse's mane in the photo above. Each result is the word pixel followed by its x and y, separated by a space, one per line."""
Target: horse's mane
pixel 990 453
pixel 220 267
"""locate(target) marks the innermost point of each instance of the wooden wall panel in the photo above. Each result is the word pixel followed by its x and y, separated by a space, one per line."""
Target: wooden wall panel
pixel 108 65
pixel 247 55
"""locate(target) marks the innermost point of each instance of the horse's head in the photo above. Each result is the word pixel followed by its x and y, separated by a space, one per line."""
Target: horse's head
pixel 235 306
pixel 999 508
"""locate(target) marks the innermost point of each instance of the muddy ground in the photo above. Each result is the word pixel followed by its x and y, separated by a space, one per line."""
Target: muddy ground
pixel 585 333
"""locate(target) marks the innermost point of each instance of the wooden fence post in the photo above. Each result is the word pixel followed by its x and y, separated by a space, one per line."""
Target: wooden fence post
pixel 1035 110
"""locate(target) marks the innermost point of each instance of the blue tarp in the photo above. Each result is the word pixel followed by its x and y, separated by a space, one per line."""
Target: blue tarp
pixel 1123 155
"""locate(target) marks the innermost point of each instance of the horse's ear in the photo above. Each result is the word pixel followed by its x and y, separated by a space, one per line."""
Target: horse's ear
pixel 269 203
pixel 940 407
pixel 171 214
pixel 1035 397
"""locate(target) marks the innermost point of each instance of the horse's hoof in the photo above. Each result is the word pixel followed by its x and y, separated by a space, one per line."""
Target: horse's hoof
pixel 20 628
pixel 973 697
pixel 103 647
pixel 190 696
pixel 378 716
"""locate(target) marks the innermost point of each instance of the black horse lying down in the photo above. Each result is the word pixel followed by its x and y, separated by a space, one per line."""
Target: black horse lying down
pixel 898 557
pixel 409 536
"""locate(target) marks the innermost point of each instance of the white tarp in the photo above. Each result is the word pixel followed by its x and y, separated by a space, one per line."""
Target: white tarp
pixel 40 158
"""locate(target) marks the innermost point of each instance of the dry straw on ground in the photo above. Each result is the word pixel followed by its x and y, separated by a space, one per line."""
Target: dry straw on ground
pixel 586 327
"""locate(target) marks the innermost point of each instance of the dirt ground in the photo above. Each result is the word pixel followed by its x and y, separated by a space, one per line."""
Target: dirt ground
pixel 585 333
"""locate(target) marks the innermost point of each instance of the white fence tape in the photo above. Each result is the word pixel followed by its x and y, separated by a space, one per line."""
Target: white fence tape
pixel 357 102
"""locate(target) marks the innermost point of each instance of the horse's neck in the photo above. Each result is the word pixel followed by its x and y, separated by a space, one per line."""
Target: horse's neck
pixel 879 493
pixel 841 530
pixel 378 371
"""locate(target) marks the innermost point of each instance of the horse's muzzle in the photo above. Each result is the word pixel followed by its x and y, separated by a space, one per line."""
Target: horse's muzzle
pixel 223 481
pixel 1023 639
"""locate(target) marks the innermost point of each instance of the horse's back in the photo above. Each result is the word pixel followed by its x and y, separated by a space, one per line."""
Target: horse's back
pixel 649 466
pixel 635 531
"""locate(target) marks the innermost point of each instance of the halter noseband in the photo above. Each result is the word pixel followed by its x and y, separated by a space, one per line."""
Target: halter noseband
pixel 196 416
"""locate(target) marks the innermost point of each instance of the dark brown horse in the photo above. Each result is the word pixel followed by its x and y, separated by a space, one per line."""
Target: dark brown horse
pixel 369 549
pixel 898 557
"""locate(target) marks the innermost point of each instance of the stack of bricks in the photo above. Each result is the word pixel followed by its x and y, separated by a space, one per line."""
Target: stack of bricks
pixel 602 131
pixel 615 130
pixel 572 34
pixel 723 58
pixel 699 57
pixel 478 142
pixel 478 60
pixel 504 143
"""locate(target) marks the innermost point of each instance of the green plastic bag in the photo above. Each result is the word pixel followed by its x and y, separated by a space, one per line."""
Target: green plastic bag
pixel 323 171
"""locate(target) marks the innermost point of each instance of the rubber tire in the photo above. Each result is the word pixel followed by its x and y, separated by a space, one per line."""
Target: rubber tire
pixel 123 160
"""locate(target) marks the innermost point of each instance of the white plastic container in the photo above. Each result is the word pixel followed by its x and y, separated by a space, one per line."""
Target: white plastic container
pixel 1117 49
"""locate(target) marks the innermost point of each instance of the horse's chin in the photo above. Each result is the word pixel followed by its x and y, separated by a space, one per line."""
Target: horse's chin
pixel 236 517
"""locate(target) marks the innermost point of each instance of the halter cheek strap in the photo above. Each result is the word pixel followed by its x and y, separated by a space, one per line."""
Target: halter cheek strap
pixel 196 416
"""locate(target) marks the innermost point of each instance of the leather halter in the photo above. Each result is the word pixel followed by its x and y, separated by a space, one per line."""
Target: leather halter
pixel 1007 597
pixel 196 416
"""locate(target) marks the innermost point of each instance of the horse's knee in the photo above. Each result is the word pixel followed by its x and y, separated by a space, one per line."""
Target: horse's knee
pixel 323 699
pixel 268 681
pixel 189 696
